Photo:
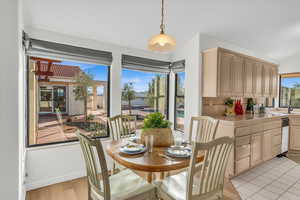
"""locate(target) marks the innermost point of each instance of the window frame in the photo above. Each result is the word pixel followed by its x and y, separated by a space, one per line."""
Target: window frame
pixel 67 141
pixel 280 78
pixel 166 95
pixel 175 104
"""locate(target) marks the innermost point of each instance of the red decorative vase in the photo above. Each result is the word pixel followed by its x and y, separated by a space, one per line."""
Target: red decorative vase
pixel 238 108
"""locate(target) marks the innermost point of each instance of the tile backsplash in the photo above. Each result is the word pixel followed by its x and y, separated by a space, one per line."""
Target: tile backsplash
pixel 214 106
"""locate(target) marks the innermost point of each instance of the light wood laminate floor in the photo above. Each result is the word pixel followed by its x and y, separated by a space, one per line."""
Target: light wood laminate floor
pixel 77 190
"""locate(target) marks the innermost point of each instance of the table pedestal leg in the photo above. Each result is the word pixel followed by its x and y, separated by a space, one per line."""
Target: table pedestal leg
pixel 149 177
pixel 162 175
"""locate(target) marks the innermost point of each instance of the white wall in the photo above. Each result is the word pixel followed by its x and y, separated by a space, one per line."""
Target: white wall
pixel 190 53
pixel 290 64
pixel 53 164
pixel 11 144
pixel 56 163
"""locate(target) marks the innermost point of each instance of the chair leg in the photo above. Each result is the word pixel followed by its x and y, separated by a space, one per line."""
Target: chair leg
pixel 114 168
pixel 149 177
pixel 89 193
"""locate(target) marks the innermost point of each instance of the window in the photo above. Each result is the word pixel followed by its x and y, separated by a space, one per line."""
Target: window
pixel 65 96
pixel 143 93
pixel 179 100
pixel 290 90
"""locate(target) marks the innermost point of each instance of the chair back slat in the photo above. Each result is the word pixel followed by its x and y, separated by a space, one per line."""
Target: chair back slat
pixel 208 178
pixel 89 147
pixel 205 129
pixel 122 126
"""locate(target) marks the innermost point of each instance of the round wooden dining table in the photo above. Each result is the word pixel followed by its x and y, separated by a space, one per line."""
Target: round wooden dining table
pixel 150 162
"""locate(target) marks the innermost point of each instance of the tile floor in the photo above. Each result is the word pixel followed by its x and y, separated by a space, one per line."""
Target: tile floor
pixel 278 178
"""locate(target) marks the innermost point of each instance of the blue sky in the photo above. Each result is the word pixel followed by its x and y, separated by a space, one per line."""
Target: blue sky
pixel 290 82
pixel 139 79
pixel 99 72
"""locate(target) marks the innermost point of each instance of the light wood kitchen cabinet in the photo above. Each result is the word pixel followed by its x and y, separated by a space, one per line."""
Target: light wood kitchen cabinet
pixel 256 149
pixel 267 146
pixel 276 142
pixel 266 80
pixel 256 141
pixel 294 140
pixel 248 83
pixel 237 79
pixel 230 74
pixel 274 81
pixel 225 84
pixel 258 79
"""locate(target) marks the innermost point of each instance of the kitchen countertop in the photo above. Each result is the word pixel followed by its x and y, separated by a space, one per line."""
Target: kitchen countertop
pixel 240 120
pixel 250 116
pixel 243 120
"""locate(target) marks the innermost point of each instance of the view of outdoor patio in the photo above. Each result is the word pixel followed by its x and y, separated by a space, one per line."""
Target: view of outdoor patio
pixel 65 97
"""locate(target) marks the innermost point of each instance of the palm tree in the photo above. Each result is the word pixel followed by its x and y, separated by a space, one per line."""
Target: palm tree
pixel 128 94
pixel 83 82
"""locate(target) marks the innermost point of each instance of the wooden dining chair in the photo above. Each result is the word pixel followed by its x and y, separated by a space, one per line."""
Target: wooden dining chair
pixel 124 185
pixel 122 126
pixel 203 180
pixel 203 129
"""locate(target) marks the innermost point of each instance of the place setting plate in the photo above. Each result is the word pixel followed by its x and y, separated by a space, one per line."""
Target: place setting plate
pixel 179 151
pixel 132 149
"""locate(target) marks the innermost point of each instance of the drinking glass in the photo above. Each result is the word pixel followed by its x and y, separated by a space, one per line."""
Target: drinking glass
pixel 178 139
pixel 149 140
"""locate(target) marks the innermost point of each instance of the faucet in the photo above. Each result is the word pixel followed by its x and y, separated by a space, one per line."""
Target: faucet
pixel 290 109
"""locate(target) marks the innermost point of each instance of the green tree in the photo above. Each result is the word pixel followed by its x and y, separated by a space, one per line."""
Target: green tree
pixel 128 94
pixel 83 82
pixel 153 92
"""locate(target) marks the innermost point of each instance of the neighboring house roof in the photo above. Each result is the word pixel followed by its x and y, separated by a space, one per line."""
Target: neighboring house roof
pixel 65 71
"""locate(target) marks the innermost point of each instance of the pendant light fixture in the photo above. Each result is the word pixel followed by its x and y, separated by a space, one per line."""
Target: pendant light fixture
pixel 162 42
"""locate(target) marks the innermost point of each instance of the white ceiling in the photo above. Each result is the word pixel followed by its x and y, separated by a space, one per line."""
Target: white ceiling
pixel 268 26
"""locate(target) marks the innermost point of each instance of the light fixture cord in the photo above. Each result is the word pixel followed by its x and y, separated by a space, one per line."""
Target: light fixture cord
pixel 162 26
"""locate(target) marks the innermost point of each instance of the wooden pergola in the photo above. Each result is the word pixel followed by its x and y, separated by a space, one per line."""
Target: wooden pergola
pixel 42 74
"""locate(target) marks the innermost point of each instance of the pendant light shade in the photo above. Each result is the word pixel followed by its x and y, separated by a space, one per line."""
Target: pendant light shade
pixel 162 42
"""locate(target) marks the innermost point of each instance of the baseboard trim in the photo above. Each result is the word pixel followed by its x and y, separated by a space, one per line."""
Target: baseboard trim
pixel 42 183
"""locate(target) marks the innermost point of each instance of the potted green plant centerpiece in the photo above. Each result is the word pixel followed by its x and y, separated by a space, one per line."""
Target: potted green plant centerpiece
pixel 156 125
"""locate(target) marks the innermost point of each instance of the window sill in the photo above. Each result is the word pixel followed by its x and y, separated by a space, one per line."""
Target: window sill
pixel 58 145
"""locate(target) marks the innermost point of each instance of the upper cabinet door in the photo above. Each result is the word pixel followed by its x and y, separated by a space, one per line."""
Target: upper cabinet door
pixel 224 74
pixel 237 80
pixel 266 80
pixel 274 81
pixel 258 79
pixel 249 82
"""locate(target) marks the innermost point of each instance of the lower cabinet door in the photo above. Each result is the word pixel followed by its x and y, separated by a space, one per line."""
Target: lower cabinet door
pixel 242 165
pixel 256 149
pixel 294 138
pixel 267 146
